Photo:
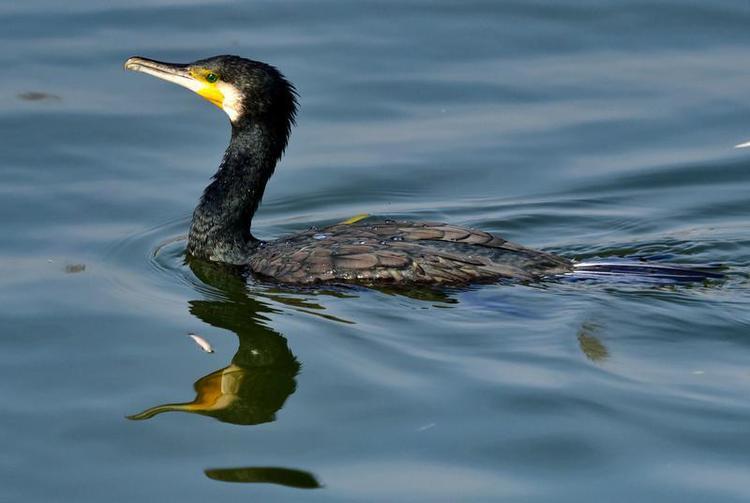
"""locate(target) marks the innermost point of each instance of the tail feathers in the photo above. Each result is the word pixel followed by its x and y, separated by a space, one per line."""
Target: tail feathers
pixel 645 271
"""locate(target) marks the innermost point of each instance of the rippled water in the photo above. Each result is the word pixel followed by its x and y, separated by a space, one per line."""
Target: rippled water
pixel 588 128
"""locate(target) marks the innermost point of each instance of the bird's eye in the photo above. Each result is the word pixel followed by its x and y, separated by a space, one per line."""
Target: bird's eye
pixel 212 77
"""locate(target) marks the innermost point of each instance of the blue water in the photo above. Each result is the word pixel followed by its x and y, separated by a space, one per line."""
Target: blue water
pixel 594 129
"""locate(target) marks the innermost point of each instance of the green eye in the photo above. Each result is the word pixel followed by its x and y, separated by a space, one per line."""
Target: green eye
pixel 212 77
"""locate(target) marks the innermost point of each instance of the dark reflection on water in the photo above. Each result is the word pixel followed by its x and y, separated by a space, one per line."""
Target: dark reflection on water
pixel 265 474
pixel 262 373
pixel 257 382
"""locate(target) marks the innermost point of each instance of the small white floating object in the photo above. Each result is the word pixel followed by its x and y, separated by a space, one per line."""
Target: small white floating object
pixel 203 343
pixel 743 145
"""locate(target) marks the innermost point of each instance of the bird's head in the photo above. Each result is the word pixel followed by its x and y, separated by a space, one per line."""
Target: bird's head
pixel 246 90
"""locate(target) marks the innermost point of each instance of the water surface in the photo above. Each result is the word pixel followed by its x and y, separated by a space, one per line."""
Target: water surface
pixel 588 128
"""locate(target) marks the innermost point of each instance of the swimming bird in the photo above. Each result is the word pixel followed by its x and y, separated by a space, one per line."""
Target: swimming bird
pixel 261 104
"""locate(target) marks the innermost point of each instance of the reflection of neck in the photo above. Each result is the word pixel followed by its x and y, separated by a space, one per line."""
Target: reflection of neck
pixel 220 229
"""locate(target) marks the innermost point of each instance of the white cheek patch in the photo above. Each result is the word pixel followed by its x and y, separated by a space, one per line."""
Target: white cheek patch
pixel 232 104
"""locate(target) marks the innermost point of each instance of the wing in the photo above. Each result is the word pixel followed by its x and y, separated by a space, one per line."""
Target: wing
pixel 401 252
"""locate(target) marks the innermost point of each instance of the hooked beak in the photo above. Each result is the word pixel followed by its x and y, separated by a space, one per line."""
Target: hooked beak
pixel 171 72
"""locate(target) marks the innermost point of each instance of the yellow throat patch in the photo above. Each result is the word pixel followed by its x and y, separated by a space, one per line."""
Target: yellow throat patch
pixel 210 90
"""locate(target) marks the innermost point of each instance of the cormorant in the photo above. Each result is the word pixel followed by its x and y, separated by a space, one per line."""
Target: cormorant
pixel 261 104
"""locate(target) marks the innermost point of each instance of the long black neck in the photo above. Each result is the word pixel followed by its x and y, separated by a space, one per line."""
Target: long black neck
pixel 220 230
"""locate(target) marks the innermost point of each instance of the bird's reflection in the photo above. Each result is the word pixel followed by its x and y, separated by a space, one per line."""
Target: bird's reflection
pixel 265 474
pixel 260 377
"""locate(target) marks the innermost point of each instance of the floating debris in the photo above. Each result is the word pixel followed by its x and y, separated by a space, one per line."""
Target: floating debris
pixel 426 427
pixel 38 96
pixel 319 236
pixel 75 268
pixel 203 343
